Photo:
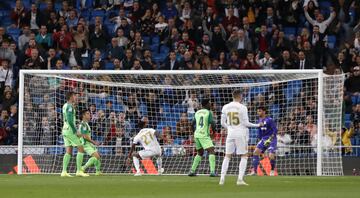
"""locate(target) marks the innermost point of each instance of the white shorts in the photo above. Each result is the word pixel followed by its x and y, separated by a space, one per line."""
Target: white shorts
pixel 240 145
pixel 146 154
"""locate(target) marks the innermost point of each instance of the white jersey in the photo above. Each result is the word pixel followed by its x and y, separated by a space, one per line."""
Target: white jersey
pixel 146 137
pixel 234 117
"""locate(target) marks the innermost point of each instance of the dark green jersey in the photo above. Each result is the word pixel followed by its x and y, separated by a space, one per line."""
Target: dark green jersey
pixel 203 120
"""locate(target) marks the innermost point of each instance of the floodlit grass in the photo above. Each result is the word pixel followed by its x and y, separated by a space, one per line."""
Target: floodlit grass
pixel 37 186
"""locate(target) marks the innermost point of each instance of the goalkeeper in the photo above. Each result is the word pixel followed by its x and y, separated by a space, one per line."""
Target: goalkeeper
pixel 203 120
pixel 89 144
pixel 267 136
pixel 71 137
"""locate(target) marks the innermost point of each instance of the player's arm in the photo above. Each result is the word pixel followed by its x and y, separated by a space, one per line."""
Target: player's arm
pixel 211 122
pixel 245 120
pixel 132 149
pixel 70 118
pixel 224 119
pixel 193 124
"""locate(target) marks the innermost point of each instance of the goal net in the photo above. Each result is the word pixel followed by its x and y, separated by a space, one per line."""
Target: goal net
pixel 306 106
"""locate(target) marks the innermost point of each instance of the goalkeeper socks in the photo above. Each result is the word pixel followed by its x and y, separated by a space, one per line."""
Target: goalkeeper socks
pixel 242 168
pixel 66 161
pixel 97 165
pixel 212 163
pixel 79 161
pixel 136 164
pixel 272 163
pixel 159 163
pixel 90 162
pixel 255 162
pixel 196 162
pixel 225 166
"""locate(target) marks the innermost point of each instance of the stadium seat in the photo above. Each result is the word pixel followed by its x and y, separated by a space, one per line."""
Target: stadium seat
pixel 347 117
pixel 109 66
pixel 156 40
pixel 96 13
pixel 146 39
pixel 325 5
pixel 14 33
pixel 289 31
pixel 354 99
pixel 331 41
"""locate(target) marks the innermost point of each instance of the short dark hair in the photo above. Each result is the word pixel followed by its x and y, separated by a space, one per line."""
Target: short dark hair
pixel 261 108
pixel 236 93
pixel 83 113
pixel 69 95
pixel 141 124
pixel 205 102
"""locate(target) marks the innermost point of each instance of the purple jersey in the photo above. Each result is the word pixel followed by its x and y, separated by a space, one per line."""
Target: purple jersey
pixel 268 130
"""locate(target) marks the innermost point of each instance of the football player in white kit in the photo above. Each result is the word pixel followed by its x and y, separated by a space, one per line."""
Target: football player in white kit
pixel 147 137
pixel 234 118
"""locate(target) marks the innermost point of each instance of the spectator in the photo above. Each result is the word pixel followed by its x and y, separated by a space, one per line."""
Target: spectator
pixel 17 15
pixel 122 40
pixel 73 55
pixel 24 37
pixel 43 38
pixel 147 62
pixel 81 37
pixel 166 136
pixel 320 19
pixel 128 61
pixel 169 11
pixel 114 50
pixel 183 127
pixel 303 63
pixel 72 20
pixel 7 53
pixel 6 75
pixel 34 18
pixel 63 38
pixel 35 61
pixel 353 81
pixel 11 126
pixel 238 41
pixel 171 62
pixel 249 62
pixel 265 62
pixel 192 102
pixel 283 141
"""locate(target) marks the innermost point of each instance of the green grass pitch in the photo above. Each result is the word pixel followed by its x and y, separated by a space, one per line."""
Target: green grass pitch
pixel 38 186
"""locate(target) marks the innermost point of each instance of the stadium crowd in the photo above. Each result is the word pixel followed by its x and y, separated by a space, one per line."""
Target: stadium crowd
pixel 173 35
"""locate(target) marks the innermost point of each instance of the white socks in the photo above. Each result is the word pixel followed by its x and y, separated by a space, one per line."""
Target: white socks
pixel 159 163
pixel 242 168
pixel 136 164
pixel 224 167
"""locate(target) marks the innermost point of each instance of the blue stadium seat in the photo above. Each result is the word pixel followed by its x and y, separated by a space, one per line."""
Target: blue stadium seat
pixel 331 41
pixel 146 40
pixel 96 13
pixel 118 108
pixel 109 66
pixel 354 99
pixel 325 5
pixel 290 31
pixel 347 117
pixel 156 40
pixel 164 49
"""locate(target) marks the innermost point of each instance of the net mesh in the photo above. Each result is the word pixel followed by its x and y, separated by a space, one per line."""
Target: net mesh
pixel 118 101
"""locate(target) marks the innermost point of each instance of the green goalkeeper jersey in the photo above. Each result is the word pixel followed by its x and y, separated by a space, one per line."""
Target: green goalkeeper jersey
pixel 203 119
pixel 85 129
pixel 69 117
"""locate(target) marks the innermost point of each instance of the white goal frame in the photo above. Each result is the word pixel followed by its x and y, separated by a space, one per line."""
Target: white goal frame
pixel 320 94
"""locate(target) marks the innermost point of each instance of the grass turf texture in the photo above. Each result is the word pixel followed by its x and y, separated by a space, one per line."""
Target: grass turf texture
pixel 38 186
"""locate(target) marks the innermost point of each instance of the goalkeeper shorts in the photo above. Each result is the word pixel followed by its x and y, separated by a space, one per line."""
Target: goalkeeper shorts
pixel 270 147
pixel 89 149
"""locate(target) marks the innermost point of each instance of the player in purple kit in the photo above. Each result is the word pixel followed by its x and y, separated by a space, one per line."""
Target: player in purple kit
pixel 267 141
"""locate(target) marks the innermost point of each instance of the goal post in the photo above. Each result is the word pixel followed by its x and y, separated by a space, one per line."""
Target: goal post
pixel 305 104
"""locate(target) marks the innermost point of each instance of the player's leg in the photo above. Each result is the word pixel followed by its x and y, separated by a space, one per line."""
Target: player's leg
pixel 242 150
pixel 79 161
pixel 66 158
pixel 272 156
pixel 97 163
pixel 256 156
pixel 197 158
pixel 136 161
pixel 159 164
pixel 93 160
pixel 212 161
pixel 229 150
